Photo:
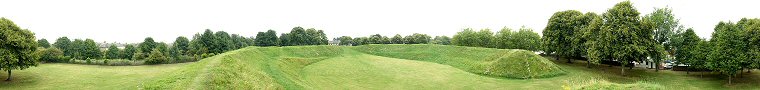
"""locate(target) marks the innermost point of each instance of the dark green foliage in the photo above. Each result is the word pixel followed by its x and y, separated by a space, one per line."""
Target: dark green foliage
pixel 17 47
pixel 90 50
pixel 182 44
pixel 147 45
pixel 268 38
pixel 43 43
pixel 360 41
pixel 298 36
pixel 156 57
pixel 129 51
pixel 51 55
pixel 469 37
pixel 64 43
pixel 113 52
pixel 728 51
pixel 397 39
pixel 622 36
pixel 223 42
pixel 345 40
pixel 686 52
pixel 418 38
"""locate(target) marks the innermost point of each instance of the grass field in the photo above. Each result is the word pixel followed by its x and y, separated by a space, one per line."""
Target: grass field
pixel 416 67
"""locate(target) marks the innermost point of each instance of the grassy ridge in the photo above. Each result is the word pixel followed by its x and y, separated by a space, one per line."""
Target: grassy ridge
pixel 511 63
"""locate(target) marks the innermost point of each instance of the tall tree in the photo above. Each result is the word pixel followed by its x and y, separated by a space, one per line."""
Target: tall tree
pixel 223 42
pixel 666 26
pixel 526 39
pixel 182 45
pixel 90 50
pixel 268 38
pixel 113 52
pixel 397 39
pixel 623 36
pixel 43 43
pixel 559 32
pixel 728 50
pixel 129 51
pixel 147 45
pixel 17 47
pixel 345 40
pixel 685 52
pixel 64 44
pixel 503 39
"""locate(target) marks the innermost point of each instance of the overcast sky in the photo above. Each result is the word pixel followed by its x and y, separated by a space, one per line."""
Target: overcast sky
pixel 133 20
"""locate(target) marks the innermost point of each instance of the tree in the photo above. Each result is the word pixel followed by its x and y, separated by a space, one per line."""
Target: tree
pixel 442 40
pixel 156 57
pixel 129 51
pixel 182 44
pixel 728 50
pixel 418 38
pixel 559 32
pixel 622 36
pixel 64 44
pixel 51 55
pixel 504 39
pixel 526 39
pixel 268 38
pixel 77 49
pixel 223 42
pixel 17 47
pixel 113 52
pixel 90 50
pixel 147 45
pixel 360 41
pixel 345 40
pixel 375 39
pixel 666 26
pixel 397 39
pixel 43 43
pixel 686 51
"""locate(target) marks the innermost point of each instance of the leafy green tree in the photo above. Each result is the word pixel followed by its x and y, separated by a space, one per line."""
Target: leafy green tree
pixel 207 42
pixel 223 42
pixel 43 43
pixel 751 37
pixel 147 45
pixel 397 39
pixel 526 39
pixel 182 44
pixel 504 39
pixel 51 55
pixel 129 51
pixel 666 26
pixel 559 32
pixel 268 38
pixel 345 40
pixel 113 52
pixel 418 38
pixel 90 50
pixel 77 49
pixel 17 47
pixel 360 41
pixel 156 57
pixel 622 36
pixel 375 39
pixel 728 50
pixel 686 51
pixel 64 44
pixel 443 40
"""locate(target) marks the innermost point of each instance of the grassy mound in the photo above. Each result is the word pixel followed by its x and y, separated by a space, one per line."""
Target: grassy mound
pixel 248 68
pixel 511 63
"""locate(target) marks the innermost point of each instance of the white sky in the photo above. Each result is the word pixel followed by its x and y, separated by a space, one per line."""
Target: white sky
pixel 133 20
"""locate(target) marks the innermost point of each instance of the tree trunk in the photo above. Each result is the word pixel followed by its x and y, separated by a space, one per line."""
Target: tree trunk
pixel 729 80
pixel 622 70
pixel 687 70
pixel 9 76
pixel 657 66
pixel 556 57
pixel 588 63
pixel 569 60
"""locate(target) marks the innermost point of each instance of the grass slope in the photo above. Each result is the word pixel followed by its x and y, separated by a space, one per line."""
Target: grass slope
pixel 511 63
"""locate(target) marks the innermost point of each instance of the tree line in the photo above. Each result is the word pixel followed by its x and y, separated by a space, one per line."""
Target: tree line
pixel 506 38
pixel 621 35
pixel 415 38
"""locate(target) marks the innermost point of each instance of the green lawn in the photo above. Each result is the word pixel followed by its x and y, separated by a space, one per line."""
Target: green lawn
pixel 77 76
pixel 340 67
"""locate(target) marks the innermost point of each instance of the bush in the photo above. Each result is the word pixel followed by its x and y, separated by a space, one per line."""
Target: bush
pixel 51 55
pixel 156 57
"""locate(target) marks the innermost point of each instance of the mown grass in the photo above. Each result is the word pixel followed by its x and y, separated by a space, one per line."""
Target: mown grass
pixel 345 67
pixel 84 77
pixel 511 63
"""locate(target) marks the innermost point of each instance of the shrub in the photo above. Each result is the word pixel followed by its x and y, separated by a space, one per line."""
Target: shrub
pixel 156 57
pixel 51 55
